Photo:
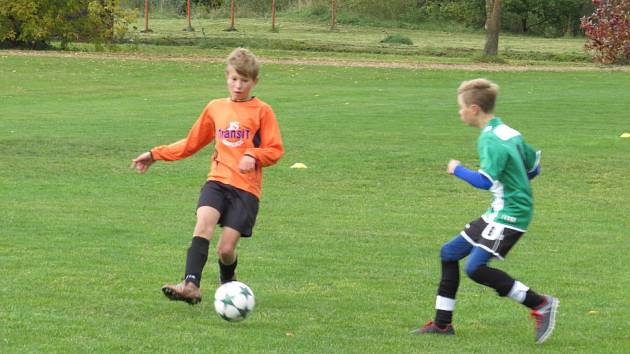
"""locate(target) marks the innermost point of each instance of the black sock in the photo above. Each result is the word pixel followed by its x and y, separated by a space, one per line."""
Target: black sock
pixel 533 300
pixel 196 259
pixel 450 279
pixel 443 318
pixel 449 282
pixel 226 271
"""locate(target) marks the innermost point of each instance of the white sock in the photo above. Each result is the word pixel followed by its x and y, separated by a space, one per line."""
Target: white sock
pixel 518 292
pixel 444 303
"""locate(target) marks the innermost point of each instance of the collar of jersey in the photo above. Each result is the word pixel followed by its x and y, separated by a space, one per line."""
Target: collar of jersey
pixel 252 99
pixel 495 121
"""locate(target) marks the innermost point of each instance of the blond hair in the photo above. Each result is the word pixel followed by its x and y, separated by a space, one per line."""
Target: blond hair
pixel 244 62
pixel 481 92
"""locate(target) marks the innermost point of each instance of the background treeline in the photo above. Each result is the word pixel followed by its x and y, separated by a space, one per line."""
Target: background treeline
pixel 550 18
pixel 34 23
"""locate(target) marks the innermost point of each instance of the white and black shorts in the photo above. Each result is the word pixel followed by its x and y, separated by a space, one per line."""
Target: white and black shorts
pixel 495 238
pixel 238 208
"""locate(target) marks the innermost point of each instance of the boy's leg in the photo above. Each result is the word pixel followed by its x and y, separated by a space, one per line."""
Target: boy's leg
pixel 207 218
pixel 188 290
pixel 478 270
pixel 238 219
pixel 450 253
pixel 226 250
pixel 543 307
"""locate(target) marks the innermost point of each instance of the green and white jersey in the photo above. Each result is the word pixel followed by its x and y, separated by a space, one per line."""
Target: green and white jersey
pixel 506 159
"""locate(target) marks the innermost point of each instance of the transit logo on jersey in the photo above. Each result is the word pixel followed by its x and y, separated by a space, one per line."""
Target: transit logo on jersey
pixel 233 136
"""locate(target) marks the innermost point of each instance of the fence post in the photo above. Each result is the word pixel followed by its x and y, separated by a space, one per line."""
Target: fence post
pixel 189 28
pixel 146 17
pixel 273 16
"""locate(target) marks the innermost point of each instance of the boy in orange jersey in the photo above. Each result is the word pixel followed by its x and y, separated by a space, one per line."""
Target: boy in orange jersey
pixel 247 138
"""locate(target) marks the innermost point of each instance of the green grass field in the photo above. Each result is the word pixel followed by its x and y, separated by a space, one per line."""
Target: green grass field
pixel 301 38
pixel 345 253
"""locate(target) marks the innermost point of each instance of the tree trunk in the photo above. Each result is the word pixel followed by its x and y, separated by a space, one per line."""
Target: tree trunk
pixel 232 10
pixel 333 14
pixel 273 15
pixel 493 27
pixel 146 17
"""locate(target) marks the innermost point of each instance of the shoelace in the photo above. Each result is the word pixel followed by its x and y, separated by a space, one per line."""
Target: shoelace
pixel 427 325
pixel 537 316
pixel 431 324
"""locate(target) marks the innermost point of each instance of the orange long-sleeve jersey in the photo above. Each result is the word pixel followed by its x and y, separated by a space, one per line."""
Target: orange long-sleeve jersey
pixel 238 128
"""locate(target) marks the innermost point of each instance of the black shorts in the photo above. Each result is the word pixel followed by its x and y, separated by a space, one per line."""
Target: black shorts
pixel 495 238
pixel 238 208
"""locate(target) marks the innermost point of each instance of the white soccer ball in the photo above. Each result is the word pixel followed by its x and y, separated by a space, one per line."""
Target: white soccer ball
pixel 234 301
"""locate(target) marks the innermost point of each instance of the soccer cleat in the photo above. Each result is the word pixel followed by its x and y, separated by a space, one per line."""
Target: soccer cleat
pixel 184 291
pixel 545 316
pixel 431 328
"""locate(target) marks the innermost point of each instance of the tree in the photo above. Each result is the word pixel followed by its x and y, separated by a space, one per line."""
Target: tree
pixel 273 15
pixel 608 31
pixel 146 17
pixel 232 11
pixel 333 14
pixel 546 17
pixel 35 23
pixel 493 27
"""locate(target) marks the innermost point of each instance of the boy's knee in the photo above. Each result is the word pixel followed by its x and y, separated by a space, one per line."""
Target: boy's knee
pixel 225 252
pixel 470 269
pixel 207 218
pixel 478 260
pixel 447 254
pixel 204 228
pixel 473 265
pixel 222 252
pixel 478 273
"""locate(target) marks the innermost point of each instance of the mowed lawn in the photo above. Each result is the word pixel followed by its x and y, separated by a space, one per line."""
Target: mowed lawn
pixel 303 39
pixel 344 257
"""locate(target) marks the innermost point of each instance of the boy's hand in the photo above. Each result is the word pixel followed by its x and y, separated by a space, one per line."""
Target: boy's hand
pixel 142 162
pixel 451 166
pixel 247 164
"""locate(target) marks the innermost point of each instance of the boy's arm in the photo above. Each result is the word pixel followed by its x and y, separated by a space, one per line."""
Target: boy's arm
pixel 474 178
pixel 200 135
pixel 533 173
pixel 531 160
pixel 270 149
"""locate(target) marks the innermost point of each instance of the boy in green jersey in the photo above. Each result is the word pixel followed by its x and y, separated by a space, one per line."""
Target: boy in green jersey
pixel 507 164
